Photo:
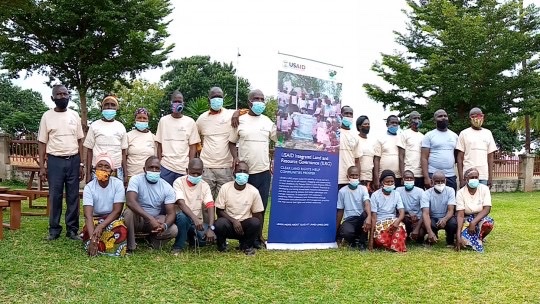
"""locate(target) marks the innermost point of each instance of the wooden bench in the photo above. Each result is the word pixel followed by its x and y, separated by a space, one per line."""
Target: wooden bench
pixel 37 193
pixel 14 205
pixel 4 189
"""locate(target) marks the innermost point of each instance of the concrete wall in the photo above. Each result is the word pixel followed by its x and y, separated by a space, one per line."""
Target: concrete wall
pixel 512 185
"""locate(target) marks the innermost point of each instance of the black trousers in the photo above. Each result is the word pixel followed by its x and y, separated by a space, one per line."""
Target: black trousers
pixel 351 229
pixel 419 182
pixel 224 229
pixel 63 172
pixel 450 229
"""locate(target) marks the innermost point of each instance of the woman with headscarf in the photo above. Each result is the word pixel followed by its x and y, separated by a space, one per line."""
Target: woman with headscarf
pixel 141 143
pixel 366 160
pixel 104 231
pixel 473 205
pixel 388 231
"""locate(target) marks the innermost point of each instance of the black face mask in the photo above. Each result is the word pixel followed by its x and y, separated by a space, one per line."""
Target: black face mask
pixel 442 124
pixel 61 103
pixel 365 130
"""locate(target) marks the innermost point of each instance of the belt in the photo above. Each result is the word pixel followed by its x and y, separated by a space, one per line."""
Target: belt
pixel 64 156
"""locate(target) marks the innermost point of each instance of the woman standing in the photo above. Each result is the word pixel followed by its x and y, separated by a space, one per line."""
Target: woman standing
pixel 141 143
pixel 366 161
pixel 473 205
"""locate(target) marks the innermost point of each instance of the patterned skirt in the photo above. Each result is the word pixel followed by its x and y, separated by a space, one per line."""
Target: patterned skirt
pixel 476 240
pixel 113 241
pixel 384 238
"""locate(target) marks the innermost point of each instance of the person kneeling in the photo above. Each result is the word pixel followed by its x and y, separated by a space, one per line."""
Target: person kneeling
pixel 104 231
pixel 147 196
pixel 353 202
pixel 239 208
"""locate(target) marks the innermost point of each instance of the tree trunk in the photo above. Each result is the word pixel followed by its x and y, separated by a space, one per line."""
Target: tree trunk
pixel 527 133
pixel 83 109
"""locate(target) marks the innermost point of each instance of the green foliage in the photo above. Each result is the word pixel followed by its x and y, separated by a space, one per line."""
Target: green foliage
pixel 20 110
pixel 271 108
pixel 195 107
pixel 139 94
pixel 86 44
pixel 194 76
pixel 460 55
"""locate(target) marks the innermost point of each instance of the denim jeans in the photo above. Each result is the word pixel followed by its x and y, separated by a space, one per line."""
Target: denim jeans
pixel 169 176
pixel 187 232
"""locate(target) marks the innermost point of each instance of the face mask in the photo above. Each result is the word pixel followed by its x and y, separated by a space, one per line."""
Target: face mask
pixel 61 103
pixel 241 178
pixel 141 125
pixel 216 103
pixel 258 107
pixel 177 107
pixel 108 114
pixel 347 122
pixel 354 182
pixel 442 124
pixel 194 180
pixel 417 123
pixel 473 183
pixel 365 130
pixel 393 130
pixel 439 187
pixel 477 122
pixel 409 185
pixel 152 177
pixel 102 175
pixel 389 188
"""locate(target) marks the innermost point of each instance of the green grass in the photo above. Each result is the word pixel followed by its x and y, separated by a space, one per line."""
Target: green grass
pixel 34 270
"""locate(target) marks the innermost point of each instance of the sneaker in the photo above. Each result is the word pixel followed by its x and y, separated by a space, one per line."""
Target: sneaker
pixel 250 251
pixel 176 251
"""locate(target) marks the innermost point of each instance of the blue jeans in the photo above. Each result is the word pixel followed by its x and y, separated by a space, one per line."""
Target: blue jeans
pixel 169 176
pixel 187 231
pixel 484 181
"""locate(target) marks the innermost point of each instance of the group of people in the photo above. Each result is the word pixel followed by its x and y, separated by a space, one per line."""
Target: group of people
pixel 404 186
pixel 171 189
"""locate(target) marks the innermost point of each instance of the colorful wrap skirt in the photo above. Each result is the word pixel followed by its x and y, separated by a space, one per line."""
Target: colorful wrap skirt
pixel 382 237
pixel 113 241
pixel 476 240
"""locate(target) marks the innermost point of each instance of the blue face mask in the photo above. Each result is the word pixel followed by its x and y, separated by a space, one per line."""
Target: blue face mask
pixel 389 188
pixel 177 107
pixel 473 183
pixel 346 122
pixel 108 114
pixel 194 179
pixel 241 178
pixel 152 177
pixel 354 182
pixel 258 107
pixel 216 103
pixel 393 130
pixel 409 185
pixel 141 125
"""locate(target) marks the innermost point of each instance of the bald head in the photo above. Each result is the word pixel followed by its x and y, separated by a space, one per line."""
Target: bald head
pixel 439 113
pixel 438 175
pixel 195 163
pixel 256 95
pixel 475 111
pixel 414 115
pixel 215 92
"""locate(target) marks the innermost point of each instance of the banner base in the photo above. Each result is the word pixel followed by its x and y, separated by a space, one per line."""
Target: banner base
pixel 300 246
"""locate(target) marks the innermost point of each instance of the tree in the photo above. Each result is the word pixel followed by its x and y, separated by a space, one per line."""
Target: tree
pixel 20 110
pixel 194 76
pixel 460 55
pixel 86 44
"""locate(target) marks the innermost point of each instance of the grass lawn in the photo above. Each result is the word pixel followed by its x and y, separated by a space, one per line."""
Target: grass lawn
pixel 33 270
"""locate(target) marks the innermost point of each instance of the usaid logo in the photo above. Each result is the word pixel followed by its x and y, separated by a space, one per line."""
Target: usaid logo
pixel 293 65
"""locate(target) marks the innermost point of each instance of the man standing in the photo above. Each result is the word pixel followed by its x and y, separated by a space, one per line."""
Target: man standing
pixel 475 149
pixel 386 153
pixel 410 146
pixel 438 206
pixel 438 151
pixel 194 199
pixel 349 147
pixel 240 212
pixel 253 135
pixel 60 137
pixel 177 139
pixel 151 209
pixel 214 128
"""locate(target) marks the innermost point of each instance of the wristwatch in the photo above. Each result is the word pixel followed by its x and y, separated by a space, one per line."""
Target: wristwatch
pixel 212 227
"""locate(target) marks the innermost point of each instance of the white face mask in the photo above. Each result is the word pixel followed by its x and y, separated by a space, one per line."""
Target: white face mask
pixel 440 187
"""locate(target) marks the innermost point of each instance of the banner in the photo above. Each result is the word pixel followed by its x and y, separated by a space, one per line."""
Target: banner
pixel 306 160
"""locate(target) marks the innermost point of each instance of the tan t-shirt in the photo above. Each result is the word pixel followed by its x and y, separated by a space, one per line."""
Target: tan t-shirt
pixel 141 145
pixel 473 204
pixel 476 145
pixel 349 150
pixel 215 130
pixel 386 148
pixel 107 137
pixel 195 196
pixel 253 136
pixel 412 143
pixel 175 136
pixel 239 205
pixel 60 131
pixel 366 161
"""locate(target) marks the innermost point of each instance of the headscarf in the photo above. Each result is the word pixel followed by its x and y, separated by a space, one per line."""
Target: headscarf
pixel 141 111
pixel 106 158
pixel 466 174
pixel 385 174
pixel 111 98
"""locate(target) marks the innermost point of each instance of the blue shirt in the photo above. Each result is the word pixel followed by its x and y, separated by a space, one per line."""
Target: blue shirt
pixel 352 201
pixel 438 202
pixel 411 200
pixel 152 197
pixel 102 199
pixel 441 151
pixel 385 206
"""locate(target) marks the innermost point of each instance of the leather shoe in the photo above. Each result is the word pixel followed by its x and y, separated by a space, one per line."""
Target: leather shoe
pixel 74 236
pixel 53 237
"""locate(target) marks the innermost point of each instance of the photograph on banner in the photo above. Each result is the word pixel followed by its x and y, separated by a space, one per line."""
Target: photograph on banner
pixel 309 112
